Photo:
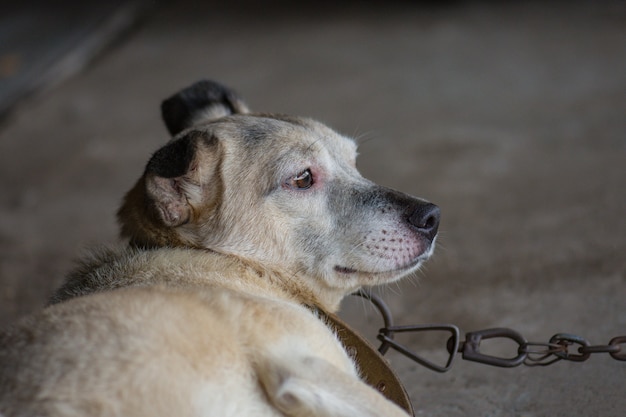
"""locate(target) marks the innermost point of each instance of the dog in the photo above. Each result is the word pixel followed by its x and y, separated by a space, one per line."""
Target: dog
pixel 241 229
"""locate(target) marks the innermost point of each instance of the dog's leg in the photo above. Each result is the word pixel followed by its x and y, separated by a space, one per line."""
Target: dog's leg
pixel 314 387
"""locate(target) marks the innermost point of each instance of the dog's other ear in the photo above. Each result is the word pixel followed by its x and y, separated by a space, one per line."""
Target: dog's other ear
pixel 203 101
pixel 181 184
pixel 178 176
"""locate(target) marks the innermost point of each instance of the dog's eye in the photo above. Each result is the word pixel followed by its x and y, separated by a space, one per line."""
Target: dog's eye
pixel 302 181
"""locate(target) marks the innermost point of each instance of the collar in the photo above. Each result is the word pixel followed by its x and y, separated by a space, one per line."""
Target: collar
pixel 374 369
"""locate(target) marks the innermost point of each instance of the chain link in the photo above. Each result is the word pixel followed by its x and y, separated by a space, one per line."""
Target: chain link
pixel 561 346
pixel 541 354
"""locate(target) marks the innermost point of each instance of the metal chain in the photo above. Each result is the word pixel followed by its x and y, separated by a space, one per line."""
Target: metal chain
pixel 561 346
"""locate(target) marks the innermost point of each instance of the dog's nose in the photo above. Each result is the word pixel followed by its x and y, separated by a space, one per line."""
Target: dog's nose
pixel 425 218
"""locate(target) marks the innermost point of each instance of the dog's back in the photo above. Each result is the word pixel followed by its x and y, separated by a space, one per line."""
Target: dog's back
pixel 137 352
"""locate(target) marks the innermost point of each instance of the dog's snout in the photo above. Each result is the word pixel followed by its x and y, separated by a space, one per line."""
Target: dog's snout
pixel 425 218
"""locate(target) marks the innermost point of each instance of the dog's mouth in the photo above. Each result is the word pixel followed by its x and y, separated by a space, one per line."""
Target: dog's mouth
pixel 401 269
pixel 350 271
pixel 344 270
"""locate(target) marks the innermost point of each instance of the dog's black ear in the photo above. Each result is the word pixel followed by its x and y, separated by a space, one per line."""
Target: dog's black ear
pixel 203 101
pixel 182 175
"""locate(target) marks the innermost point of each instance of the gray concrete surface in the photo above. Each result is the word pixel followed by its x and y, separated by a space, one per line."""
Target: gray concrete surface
pixel 42 43
pixel 509 116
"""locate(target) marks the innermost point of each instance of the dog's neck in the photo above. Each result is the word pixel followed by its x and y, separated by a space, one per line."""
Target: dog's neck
pixel 294 287
pixel 257 279
pixel 193 270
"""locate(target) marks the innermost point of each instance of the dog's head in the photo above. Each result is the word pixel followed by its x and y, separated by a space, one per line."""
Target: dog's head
pixel 279 192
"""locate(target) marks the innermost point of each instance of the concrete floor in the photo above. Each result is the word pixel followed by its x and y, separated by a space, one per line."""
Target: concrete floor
pixel 509 116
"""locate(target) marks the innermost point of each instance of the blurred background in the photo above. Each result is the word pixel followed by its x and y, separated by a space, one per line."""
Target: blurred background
pixel 509 115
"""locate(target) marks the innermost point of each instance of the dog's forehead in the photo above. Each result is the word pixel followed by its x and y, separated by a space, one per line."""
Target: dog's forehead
pixel 278 133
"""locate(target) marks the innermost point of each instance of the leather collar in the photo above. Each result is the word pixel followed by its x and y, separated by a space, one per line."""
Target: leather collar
pixel 374 369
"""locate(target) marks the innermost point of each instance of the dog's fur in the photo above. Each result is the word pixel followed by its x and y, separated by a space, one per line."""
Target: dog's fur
pixel 240 226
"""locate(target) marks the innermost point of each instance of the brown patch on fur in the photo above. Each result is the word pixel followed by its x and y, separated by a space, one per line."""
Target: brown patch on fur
pixel 140 223
pixel 157 209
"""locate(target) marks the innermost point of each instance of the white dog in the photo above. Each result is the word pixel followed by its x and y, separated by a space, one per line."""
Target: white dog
pixel 241 229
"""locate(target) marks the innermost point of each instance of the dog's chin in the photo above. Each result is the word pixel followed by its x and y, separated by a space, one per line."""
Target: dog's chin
pixel 385 276
pixel 379 277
